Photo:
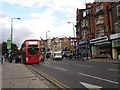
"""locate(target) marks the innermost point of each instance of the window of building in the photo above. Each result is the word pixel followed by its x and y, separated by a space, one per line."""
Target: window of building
pixel 100 32
pixel 118 10
pixel 99 7
pixel 117 27
pixel 86 12
pixel 99 20
pixel 84 34
pixel 84 23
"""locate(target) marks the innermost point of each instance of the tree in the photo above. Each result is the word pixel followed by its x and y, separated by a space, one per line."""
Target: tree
pixel 5 50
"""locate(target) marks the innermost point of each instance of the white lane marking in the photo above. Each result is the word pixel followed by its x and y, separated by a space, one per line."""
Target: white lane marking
pixel 84 66
pixel 87 85
pixel 61 68
pixel 98 78
pixel 113 69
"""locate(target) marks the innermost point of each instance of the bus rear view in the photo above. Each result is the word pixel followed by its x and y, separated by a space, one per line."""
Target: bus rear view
pixel 31 51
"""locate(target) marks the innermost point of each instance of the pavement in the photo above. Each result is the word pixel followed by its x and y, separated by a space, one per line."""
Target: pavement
pixel 14 75
pixel 112 61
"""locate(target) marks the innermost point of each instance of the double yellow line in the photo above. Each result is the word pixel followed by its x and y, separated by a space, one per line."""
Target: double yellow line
pixel 54 81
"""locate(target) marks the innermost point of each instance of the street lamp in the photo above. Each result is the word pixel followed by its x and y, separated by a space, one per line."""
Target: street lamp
pixel 73 28
pixel 74 38
pixel 47 34
pixel 12 29
pixel 47 38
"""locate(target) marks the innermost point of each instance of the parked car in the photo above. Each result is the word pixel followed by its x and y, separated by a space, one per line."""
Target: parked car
pixel 57 56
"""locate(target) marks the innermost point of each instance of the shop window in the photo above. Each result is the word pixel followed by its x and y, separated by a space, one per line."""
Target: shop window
pixel 103 49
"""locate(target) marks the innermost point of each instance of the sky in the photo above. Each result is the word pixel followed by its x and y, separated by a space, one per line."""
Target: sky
pixel 37 18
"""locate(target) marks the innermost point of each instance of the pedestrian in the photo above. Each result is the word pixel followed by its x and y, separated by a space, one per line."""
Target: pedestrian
pixel 16 59
pixel 2 59
pixel 11 57
pixel 5 57
pixel 109 57
pixel 80 55
pixel 19 60
pixel 87 56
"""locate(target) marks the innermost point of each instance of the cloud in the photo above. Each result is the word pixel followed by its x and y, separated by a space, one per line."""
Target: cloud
pixel 19 33
pixel 57 5
pixel 3 15
pixel 40 22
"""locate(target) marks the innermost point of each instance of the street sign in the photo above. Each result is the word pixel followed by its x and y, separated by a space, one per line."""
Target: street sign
pixel 8 44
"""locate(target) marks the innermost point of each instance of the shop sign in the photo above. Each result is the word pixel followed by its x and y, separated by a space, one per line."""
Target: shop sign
pixel 115 36
pixel 82 42
pixel 8 44
pixel 99 40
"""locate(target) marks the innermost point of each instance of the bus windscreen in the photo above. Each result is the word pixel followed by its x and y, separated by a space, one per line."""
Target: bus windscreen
pixel 33 51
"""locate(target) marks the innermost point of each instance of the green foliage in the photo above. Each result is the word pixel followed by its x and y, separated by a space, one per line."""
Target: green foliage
pixel 4 48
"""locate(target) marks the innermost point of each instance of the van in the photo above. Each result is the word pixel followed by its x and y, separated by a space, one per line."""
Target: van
pixel 57 56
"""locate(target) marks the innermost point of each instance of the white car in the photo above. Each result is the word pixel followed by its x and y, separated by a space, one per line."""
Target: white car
pixel 57 56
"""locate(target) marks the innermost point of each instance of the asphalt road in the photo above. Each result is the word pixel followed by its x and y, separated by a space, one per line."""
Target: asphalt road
pixel 80 74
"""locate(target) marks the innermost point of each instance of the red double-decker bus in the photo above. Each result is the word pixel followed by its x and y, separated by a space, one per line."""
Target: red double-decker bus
pixel 31 51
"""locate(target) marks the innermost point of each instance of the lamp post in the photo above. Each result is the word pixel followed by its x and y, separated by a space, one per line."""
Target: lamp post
pixel 12 30
pixel 73 28
pixel 47 39
pixel 74 38
pixel 47 34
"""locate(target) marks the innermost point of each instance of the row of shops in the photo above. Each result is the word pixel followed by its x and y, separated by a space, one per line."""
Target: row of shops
pixel 101 47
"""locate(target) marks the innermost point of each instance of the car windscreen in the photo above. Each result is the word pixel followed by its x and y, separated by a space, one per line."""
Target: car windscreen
pixel 33 51
pixel 57 54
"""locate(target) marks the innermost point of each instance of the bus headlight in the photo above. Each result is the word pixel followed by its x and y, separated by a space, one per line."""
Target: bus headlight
pixel 26 58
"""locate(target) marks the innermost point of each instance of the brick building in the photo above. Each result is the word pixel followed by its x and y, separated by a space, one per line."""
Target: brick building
pixel 95 29
pixel 115 37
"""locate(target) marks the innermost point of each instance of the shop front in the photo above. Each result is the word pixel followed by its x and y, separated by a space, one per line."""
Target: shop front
pixel 115 38
pixel 84 48
pixel 100 47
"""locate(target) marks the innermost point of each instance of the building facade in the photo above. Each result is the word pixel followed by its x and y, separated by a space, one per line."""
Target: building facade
pixel 115 37
pixel 98 26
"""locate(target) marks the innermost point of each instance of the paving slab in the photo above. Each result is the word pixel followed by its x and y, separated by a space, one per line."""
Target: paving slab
pixel 18 76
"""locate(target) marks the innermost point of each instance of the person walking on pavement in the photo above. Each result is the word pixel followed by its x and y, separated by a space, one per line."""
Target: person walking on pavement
pixel 2 59
pixel 11 57
pixel 109 57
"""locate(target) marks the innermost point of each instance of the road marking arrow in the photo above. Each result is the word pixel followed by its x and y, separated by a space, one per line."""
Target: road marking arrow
pixel 91 85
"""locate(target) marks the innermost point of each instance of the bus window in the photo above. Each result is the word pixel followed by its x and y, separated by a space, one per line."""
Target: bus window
pixel 32 45
pixel 33 51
